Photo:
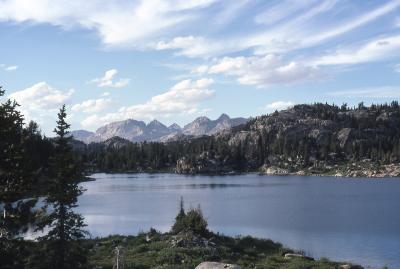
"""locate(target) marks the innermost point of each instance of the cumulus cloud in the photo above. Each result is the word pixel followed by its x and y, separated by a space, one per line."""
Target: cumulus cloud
pixel 108 80
pixel 262 70
pixel 92 105
pixel 9 67
pixel 181 99
pixel 278 105
pixel 41 96
pixel 40 101
pixel 376 50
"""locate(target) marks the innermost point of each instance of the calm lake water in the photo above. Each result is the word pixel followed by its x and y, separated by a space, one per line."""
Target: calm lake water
pixel 354 220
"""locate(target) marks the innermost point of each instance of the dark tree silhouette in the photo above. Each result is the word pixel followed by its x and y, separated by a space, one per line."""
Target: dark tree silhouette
pixel 65 228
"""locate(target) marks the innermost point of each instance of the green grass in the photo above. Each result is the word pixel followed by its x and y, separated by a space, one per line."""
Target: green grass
pixel 162 253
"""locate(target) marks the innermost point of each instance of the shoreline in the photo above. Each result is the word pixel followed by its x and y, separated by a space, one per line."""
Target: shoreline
pixel 300 174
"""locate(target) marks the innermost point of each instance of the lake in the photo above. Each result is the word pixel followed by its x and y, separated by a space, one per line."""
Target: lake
pixel 355 220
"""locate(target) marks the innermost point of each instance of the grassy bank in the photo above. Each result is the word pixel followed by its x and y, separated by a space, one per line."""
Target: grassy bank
pixel 190 242
pixel 186 250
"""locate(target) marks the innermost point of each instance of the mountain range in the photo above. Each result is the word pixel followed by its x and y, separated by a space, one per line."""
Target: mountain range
pixel 138 131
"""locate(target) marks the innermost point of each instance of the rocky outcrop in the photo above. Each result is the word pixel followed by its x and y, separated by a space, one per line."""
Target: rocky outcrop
pixel 350 266
pixel 188 239
pixel 297 255
pixel 273 170
pixel 205 126
pixel 217 265
pixel 204 163
pixel 366 169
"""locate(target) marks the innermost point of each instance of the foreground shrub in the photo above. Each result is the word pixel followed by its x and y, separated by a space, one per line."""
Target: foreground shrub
pixel 192 221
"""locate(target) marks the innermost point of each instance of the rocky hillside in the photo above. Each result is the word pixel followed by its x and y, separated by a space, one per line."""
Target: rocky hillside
pixel 306 139
pixel 138 131
pixel 316 139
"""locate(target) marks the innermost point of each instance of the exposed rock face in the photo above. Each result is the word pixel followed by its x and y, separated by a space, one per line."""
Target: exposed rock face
pixel 344 137
pixel 273 170
pixel 217 265
pixel 138 131
pixel 82 135
pixel 205 126
pixel 296 255
pixel 131 130
pixel 203 164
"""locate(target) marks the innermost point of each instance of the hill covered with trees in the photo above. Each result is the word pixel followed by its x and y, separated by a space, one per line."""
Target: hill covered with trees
pixel 305 139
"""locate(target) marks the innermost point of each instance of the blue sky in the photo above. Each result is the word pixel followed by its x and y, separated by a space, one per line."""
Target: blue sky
pixel 179 59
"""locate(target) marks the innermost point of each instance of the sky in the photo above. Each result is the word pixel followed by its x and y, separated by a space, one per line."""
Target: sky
pixel 175 60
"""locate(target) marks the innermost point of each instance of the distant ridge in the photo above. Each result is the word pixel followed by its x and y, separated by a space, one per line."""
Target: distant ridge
pixel 138 131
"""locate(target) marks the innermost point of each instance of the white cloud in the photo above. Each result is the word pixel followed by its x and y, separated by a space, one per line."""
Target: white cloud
pixel 9 67
pixel 119 23
pixel 40 101
pixel 281 10
pixel 310 28
pixel 178 43
pixel 107 80
pixel 192 46
pixel 377 92
pixel 92 105
pixel 182 99
pixel 262 70
pixel 292 24
pixel 357 22
pixel 278 105
pixel 140 23
pixel 41 96
pixel 375 50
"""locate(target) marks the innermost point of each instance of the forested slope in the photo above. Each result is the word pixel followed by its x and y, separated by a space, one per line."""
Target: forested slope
pixel 318 138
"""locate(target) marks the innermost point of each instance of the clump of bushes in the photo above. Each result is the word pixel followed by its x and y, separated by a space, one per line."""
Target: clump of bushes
pixel 190 221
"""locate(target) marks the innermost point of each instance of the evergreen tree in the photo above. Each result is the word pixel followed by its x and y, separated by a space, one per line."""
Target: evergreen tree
pixel 15 184
pixel 179 219
pixel 64 226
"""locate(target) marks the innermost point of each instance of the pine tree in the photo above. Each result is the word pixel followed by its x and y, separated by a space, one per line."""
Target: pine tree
pixel 179 224
pixel 15 184
pixel 65 226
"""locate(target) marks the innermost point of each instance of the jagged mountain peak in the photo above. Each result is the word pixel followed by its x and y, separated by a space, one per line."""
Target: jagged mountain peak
pixel 223 117
pixel 174 126
pixel 201 119
pixel 156 124
pixel 137 131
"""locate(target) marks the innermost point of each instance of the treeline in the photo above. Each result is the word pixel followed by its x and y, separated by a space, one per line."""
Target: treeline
pixel 299 137
pixel 33 167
